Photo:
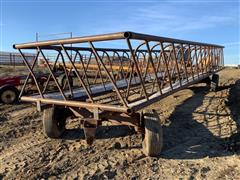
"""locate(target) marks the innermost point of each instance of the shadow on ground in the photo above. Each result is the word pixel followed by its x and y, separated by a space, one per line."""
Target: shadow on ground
pixel 233 103
pixel 2 119
pixel 103 132
pixel 186 138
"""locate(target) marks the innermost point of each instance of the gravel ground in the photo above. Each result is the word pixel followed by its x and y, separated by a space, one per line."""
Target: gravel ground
pixel 199 128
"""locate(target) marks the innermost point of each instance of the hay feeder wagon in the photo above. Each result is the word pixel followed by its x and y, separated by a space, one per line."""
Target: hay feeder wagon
pixel 115 84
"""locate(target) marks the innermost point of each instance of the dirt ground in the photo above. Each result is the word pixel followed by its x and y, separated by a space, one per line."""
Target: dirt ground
pixel 198 126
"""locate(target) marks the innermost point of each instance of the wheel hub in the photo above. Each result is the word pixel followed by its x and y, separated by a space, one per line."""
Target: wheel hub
pixel 8 96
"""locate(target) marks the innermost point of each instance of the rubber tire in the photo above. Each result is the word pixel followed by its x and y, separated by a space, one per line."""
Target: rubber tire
pixel 214 83
pixel 153 137
pixel 13 90
pixel 207 80
pixel 62 79
pixel 54 121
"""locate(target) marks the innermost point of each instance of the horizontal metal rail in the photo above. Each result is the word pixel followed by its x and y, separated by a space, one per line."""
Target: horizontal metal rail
pixel 77 104
pixel 107 37
pixel 127 79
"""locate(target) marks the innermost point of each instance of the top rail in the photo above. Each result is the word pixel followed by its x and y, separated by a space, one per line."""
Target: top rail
pixel 106 37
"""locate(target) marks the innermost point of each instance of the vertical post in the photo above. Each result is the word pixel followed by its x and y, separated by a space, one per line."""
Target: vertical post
pixel 14 62
pixel 10 58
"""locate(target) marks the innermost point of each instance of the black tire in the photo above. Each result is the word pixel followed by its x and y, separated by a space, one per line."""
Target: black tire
pixel 62 79
pixel 9 95
pixel 207 80
pixel 54 121
pixel 214 83
pixel 153 137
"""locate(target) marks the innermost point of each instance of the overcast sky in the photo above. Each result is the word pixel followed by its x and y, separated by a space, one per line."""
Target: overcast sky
pixel 211 21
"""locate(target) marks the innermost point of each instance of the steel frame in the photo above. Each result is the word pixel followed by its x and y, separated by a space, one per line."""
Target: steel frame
pixel 120 81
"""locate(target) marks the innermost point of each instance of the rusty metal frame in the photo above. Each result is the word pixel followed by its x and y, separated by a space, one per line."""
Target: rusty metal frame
pixel 143 75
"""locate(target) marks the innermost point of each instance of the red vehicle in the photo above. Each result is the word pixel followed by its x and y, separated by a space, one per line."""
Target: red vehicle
pixel 10 86
pixel 9 89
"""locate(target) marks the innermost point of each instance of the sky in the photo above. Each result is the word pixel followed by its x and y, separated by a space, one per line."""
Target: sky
pixel 210 21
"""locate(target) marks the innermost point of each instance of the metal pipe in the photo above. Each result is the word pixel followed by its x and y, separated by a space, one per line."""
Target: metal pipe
pixel 78 104
pixel 106 37
pixel 147 37
pixel 58 48
pixel 103 37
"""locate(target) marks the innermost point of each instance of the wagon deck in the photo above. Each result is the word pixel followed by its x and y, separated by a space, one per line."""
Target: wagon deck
pixel 100 89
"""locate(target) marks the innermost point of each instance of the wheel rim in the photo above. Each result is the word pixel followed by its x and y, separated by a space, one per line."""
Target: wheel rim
pixel 8 96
